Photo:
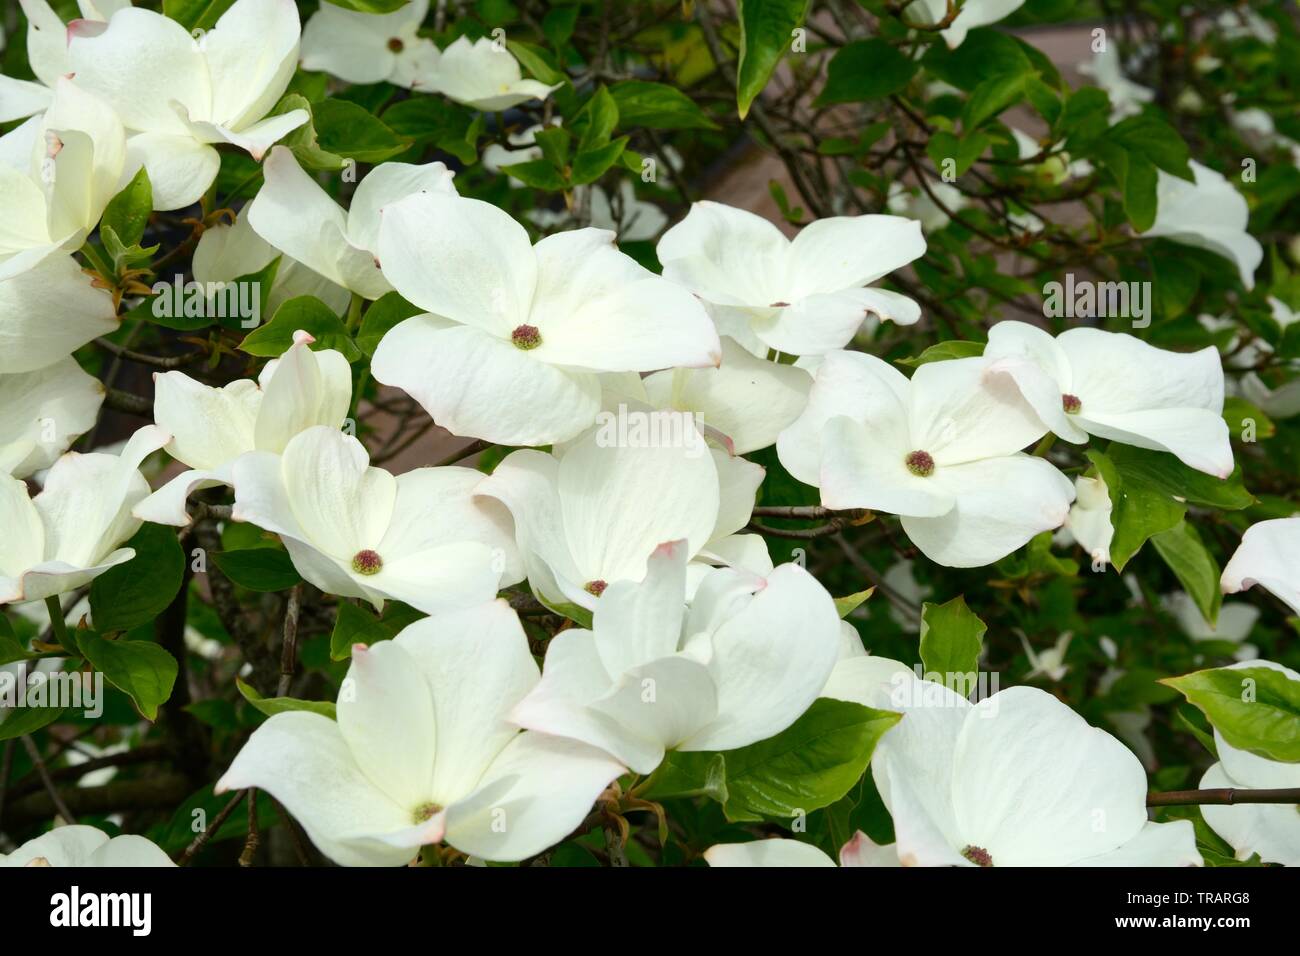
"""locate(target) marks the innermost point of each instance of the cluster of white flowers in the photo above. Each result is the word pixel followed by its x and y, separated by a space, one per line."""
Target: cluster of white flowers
pixel 696 641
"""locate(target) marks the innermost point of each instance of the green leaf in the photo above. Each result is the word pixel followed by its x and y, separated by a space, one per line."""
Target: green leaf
pixel 1254 708
pixel 20 721
pixel 951 638
pixel 369 6
pixel 694 774
pixel 193 14
pixel 141 669
pixel 865 70
pixel 558 24
pixel 809 765
pixel 136 592
pixel 1139 509
pixel 258 569
pixel 1191 562
pixel 963 152
pixel 1140 202
pixel 844 606
pixel 310 314
pixel 951 349
pixel 983 54
pixel 353 625
pixel 11 648
pixel 991 97
pixel 304 141
pixel 280 705
pixel 351 131
pixel 556 144
pixel 128 212
pixel 383 315
pixel 1244 418
pixel 1154 140
pixel 1162 470
pixel 657 106
pixel 537 173
pixel 766 31
pixel 591 165
pixel 595 122
pixel 574 612
pixel 537 61
pixel 1085 117
pixel 1186 718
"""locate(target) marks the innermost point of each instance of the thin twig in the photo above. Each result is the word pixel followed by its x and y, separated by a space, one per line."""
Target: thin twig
pixel 123 401
pixel 1225 797
pixel 289 649
pixel 254 836
pixel 473 448
pixel 208 831
pixel 142 358
pixel 50 788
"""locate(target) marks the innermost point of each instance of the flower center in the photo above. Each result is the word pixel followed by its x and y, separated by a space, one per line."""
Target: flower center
pixel 1071 404
pixel 526 337
pixel 367 562
pixel 396 45
pixel 596 587
pixel 978 855
pixel 424 812
pixel 920 464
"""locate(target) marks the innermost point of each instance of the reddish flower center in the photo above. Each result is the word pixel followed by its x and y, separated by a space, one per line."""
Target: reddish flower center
pixel 978 855
pixel 596 587
pixel 1071 404
pixel 367 562
pixel 396 45
pixel 526 337
pixel 424 812
pixel 920 463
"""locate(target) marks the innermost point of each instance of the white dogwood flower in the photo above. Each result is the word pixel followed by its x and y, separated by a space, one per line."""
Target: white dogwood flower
pixel 371 47
pixel 1208 214
pixel 591 515
pixel 295 215
pixel 1126 97
pixel 49 311
pixel 1235 622
pixel 57 173
pixel 984 784
pixel 932 213
pixel 941 450
pixel 1049 663
pixel 1089 518
pixel 483 74
pixel 747 399
pixel 1269 555
pixel 77 846
pixel 71 532
pixel 518 332
pixel 423 751
pixel 1270 829
pixel 180 94
pixel 1090 382
pixel 230 251
pixel 47 54
pixel 859 851
pixel 741 664
pixel 212 427
pixel 356 531
pixel 971 14
pixel 803 296
pixel 42 413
